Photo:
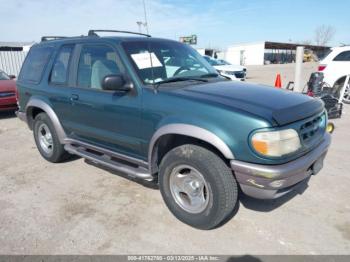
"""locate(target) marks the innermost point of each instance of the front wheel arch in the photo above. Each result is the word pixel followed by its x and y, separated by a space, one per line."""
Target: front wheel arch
pixel 173 135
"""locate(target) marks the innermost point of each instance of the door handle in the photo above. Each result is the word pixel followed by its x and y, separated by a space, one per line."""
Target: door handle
pixel 74 97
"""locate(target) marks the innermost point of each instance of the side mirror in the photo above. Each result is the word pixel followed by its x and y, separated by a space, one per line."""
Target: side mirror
pixel 12 76
pixel 115 83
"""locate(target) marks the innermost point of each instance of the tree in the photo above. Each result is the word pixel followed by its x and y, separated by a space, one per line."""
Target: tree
pixel 324 34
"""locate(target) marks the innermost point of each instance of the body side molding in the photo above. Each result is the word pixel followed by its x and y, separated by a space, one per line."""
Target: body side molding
pixel 191 131
pixel 35 102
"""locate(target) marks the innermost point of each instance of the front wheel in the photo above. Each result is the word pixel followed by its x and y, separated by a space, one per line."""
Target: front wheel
pixel 197 186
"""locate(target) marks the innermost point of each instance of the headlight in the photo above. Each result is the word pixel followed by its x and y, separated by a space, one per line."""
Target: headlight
pixel 276 143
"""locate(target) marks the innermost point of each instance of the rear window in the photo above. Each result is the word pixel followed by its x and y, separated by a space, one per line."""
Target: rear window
pixel 34 65
pixel 343 56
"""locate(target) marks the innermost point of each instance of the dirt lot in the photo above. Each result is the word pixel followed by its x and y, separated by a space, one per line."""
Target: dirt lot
pixel 267 74
pixel 75 208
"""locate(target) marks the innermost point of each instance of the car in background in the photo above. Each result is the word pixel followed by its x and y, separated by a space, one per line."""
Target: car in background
pixel 335 67
pixel 234 72
pixel 8 100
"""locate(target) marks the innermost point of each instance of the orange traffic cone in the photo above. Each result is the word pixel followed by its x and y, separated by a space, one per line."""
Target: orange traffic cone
pixel 278 81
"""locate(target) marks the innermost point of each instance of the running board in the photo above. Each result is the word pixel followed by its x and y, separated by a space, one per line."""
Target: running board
pixel 111 162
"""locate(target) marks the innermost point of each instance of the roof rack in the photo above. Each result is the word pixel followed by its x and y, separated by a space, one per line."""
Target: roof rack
pixel 48 38
pixel 93 32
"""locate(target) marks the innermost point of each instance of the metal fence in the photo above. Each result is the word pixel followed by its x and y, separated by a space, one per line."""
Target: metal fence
pixel 11 61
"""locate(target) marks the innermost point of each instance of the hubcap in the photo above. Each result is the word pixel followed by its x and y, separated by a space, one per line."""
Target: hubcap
pixel 189 189
pixel 45 138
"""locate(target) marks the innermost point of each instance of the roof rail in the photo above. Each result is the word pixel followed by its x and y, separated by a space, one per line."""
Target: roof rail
pixel 93 32
pixel 48 38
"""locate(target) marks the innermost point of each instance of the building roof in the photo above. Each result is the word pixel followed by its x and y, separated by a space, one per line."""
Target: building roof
pixel 278 45
pixel 15 44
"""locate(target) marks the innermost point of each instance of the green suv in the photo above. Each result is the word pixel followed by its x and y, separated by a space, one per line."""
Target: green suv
pixel 155 110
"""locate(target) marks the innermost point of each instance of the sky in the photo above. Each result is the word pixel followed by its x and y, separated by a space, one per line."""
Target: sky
pixel 217 24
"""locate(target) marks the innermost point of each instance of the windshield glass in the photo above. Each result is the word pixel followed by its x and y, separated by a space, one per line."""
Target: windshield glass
pixel 156 61
pixel 224 62
pixel 4 76
pixel 214 62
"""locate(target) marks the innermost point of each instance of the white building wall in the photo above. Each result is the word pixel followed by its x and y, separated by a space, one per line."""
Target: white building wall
pixel 246 54
pixel 11 61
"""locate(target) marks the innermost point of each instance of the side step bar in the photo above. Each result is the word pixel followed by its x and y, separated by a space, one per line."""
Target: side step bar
pixel 111 162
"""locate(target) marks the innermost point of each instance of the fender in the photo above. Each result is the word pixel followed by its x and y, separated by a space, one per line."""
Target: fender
pixel 39 103
pixel 191 131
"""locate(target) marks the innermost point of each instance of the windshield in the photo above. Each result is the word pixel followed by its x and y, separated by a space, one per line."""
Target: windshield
pixel 157 61
pixel 4 76
pixel 224 62
pixel 214 62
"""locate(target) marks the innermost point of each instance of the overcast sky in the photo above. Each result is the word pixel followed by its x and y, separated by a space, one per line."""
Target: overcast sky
pixel 217 23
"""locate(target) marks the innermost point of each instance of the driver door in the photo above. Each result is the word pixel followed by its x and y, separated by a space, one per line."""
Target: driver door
pixel 108 119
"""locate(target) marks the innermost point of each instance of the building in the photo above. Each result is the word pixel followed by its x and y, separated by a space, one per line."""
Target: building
pixel 12 55
pixel 266 52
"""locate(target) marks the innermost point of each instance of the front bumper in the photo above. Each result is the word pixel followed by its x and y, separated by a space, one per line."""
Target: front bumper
pixel 273 181
pixel 7 104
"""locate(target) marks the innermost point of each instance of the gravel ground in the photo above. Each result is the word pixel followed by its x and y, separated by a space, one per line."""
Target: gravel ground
pixel 267 74
pixel 76 208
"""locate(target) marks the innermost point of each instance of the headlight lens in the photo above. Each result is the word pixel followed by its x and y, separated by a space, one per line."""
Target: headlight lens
pixel 276 143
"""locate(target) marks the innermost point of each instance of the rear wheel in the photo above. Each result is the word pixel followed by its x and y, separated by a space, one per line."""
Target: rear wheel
pixel 197 186
pixel 47 140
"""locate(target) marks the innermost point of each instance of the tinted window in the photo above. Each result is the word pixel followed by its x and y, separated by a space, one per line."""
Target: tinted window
pixel 94 64
pixel 59 73
pixel 343 56
pixel 34 64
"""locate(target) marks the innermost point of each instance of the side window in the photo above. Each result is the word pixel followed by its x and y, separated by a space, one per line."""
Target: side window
pixel 343 56
pixel 34 65
pixel 95 63
pixel 59 72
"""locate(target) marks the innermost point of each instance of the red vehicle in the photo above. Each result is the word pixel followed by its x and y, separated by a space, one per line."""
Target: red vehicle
pixel 8 100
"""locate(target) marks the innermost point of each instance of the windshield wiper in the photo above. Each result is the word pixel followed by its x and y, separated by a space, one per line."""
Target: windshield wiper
pixel 210 75
pixel 179 79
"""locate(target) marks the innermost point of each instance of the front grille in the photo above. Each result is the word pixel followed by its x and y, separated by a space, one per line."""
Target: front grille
pixel 239 74
pixel 7 94
pixel 311 129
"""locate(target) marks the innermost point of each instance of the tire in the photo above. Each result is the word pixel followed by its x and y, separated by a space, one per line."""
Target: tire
pixel 346 98
pixel 213 193
pixel 47 141
pixel 339 85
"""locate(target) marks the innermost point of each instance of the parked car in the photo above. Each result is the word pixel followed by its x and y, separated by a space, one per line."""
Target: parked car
pixel 234 72
pixel 8 99
pixel 335 66
pixel 199 136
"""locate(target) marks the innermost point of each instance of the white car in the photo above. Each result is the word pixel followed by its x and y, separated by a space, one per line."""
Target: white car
pixel 234 72
pixel 335 67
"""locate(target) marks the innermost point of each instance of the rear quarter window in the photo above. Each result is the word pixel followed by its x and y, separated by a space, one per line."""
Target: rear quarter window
pixel 34 65
pixel 343 56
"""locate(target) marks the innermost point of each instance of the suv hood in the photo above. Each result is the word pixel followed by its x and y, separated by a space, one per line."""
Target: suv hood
pixel 232 68
pixel 274 105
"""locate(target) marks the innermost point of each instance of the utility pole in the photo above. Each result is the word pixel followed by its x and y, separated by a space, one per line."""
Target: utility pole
pixel 145 13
